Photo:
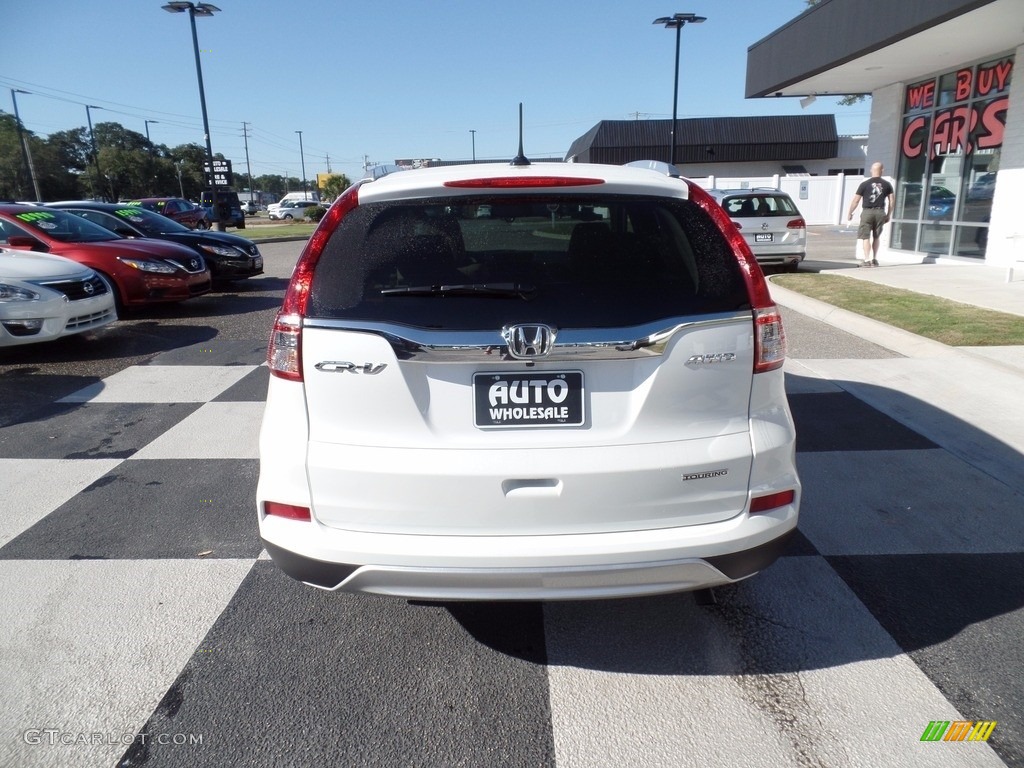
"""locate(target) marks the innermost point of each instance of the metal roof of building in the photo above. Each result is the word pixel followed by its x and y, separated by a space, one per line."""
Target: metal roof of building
pixel 710 139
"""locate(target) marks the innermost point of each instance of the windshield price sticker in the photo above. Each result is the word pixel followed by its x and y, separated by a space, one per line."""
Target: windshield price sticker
pixel 531 399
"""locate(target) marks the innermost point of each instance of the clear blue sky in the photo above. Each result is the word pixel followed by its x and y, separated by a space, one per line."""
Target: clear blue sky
pixel 384 79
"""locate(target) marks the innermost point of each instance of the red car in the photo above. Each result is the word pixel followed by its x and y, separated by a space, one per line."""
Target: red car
pixel 142 271
pixel 177 208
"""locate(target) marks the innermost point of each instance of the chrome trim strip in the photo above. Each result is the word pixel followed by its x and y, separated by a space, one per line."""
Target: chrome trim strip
pixel 423 345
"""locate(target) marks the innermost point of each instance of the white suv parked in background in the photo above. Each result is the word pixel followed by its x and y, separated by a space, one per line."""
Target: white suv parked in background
pixel 291 209
pixel 770 223
pixel 526 382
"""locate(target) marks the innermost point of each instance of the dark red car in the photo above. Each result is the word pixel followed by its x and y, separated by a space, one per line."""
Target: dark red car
pixel 177 208
pixel 142 271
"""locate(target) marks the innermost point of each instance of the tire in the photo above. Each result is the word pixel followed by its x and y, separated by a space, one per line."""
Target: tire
pixel 119 306
pixel 288 217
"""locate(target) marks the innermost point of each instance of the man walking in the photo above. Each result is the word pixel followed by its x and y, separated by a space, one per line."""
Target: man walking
pixel 877 198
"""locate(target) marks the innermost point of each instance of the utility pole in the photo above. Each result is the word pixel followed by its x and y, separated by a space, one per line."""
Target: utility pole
pixel 25 149
pixel 92 142
pixel 302 158
pixel 248 168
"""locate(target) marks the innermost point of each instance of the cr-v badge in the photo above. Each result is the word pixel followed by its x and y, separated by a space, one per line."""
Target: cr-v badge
pixel 371 369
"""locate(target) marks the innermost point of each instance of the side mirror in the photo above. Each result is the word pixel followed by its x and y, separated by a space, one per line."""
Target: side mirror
pixel 25 242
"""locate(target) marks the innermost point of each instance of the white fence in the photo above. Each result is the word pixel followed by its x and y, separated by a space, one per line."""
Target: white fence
pixel 821 199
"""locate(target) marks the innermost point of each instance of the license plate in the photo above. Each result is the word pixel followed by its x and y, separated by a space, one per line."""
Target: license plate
pixel 763 237
pixel 528 399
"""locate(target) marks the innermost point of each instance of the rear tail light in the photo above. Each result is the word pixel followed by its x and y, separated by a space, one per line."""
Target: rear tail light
pixel 771 501
pixel 737 225
pixel 769 337
pixel 796 224
pixel 288 511
pixel 769 340
pixel 284 353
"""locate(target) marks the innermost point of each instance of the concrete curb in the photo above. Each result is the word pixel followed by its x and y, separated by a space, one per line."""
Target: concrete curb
pixel 894 339
pixel 1010 360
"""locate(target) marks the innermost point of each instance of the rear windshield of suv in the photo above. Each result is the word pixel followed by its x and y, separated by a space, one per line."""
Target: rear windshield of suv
pixel 482 262
pixel 760 205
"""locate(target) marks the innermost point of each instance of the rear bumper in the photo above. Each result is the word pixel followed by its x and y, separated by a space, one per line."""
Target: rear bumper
pixel 779 258
pixel 570 567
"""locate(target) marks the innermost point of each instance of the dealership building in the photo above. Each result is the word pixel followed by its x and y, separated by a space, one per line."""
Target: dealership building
pixel 947 113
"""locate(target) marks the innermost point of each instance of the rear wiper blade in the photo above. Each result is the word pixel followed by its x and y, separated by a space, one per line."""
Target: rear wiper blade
pixel 499 290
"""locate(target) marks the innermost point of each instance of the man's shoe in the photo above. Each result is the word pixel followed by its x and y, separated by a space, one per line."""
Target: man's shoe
pixel 874 262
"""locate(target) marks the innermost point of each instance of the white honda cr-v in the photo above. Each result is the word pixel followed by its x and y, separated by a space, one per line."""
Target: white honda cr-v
pixel 548 381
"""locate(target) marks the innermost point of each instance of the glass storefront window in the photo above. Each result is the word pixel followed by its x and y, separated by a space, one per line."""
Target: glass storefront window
pixel 970 241
pixel 948 90
pixel 935 239
pixel 903 236
pixel 952 133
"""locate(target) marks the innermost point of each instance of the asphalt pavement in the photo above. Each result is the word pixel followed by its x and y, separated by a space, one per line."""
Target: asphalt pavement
pixel 966 399
pixel 146 627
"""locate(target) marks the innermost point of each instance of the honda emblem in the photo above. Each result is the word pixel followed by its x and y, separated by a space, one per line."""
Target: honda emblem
pixel 528 341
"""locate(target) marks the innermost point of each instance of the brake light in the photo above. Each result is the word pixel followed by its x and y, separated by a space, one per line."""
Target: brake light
pixel 506 182
pixel 796 224
pixel 737 225
pixel 288 511
pixel 284 353
pixel 769 336
pixel 771 501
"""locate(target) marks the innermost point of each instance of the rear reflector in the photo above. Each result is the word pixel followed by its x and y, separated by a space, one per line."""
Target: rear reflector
pixel 290 511
pixel 772 501
pixel 502 182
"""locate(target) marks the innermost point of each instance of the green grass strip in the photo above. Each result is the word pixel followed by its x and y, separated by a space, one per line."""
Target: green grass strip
pixel 950 322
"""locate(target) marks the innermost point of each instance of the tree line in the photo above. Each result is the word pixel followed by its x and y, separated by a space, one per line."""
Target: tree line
pixel 125 166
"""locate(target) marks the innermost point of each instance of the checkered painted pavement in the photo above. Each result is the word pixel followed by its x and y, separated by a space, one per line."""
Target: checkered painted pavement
pixel 142 625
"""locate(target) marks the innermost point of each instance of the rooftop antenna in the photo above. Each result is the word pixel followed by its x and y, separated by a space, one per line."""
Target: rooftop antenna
pixel 520 159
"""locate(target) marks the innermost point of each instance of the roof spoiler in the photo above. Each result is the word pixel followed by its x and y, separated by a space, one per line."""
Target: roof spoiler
pixel 379 171
pixel 657 165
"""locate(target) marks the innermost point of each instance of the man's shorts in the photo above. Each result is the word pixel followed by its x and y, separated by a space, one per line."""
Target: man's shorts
pixel 871 222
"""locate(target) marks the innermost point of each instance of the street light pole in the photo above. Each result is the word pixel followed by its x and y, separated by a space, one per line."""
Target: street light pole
pixel 26 152
pixel 473 132
pixel 201 9
pixel 677 22
pixel 302 159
